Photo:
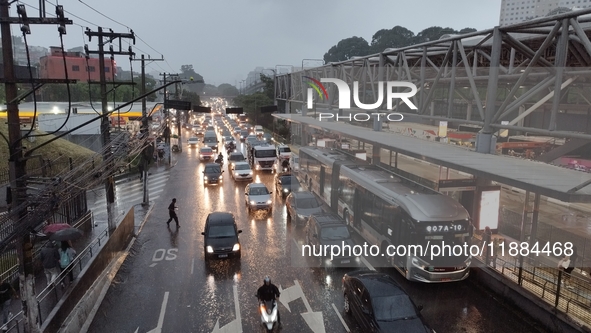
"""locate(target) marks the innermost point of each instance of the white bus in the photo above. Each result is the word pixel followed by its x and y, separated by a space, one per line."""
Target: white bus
pixel 263 157
pixel 388 210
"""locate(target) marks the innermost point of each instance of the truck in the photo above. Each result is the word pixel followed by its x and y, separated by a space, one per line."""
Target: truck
pixel 263 157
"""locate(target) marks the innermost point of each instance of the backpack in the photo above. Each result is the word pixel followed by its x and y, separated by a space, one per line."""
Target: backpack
pixel 64 259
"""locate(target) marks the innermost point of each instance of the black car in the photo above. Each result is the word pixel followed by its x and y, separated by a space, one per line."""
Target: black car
pixel 221 236
pixel 212 174
pixel 379 304
pixel 325 230
pixel 286 183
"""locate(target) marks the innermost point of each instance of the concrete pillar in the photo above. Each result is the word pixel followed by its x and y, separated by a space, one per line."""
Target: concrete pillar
pixel 469 112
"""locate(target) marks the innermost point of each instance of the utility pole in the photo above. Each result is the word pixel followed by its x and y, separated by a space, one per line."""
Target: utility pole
pixel 177 93
pixel 16 160
pixel 168 120
pixel 105 124
pixel 145 130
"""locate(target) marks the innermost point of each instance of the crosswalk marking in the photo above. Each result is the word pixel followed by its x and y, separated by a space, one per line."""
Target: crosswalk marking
pixel 130 191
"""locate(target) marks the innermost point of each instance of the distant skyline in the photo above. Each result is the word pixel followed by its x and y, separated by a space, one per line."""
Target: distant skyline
pixel 224 40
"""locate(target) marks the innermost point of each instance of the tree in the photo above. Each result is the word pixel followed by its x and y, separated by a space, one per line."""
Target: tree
pixel 347 48
pixel 191 97
pixel 466 31
pixel 227 89
pixel 432 33
pixel 252 107
pixel 269 89
pixel 396 37
pixel 150 85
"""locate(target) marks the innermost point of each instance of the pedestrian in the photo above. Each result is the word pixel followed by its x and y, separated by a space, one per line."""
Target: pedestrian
pixel 50 258
pixel 7 293
pixel 67 254
pixel 563 265
pixel 172 213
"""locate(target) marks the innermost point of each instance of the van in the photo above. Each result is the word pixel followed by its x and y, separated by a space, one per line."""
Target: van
pixel 210 139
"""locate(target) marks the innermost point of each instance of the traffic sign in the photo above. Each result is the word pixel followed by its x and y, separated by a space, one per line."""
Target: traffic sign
pixel 202 109
pixel 234 111
pixel 178 105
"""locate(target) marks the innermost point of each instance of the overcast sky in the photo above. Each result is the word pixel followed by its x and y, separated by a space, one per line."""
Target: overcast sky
pixel 226 39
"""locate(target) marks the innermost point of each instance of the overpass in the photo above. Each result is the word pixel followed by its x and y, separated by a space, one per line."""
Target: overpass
pixel 537 70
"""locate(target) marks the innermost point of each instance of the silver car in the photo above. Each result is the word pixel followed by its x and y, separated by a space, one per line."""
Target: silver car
pixel 258 197
pixel 300 205
pixel 241 171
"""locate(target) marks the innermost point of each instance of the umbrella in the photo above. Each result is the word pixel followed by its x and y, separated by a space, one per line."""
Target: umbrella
pixel 66 235
pixel 51 228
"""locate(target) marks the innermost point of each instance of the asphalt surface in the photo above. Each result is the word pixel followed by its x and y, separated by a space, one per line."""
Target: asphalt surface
pixel 165 285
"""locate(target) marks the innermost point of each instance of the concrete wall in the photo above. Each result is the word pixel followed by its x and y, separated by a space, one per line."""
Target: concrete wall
pixel 60 317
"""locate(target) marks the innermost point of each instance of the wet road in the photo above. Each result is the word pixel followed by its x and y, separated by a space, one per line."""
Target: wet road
pixel 165 285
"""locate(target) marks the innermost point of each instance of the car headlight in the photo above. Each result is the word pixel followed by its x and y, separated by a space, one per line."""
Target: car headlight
pixel 209 249
pixel 204 177
pixel 235 173
pixel 258 167
pixel 200 156
pixel 252 202
pixel 269 202
pixel 236 247
pixel 285 190
pixel 250 172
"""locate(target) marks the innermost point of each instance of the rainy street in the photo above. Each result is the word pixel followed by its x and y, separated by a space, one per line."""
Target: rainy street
pixel 164 285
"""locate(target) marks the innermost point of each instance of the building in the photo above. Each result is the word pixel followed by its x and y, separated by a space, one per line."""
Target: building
pixel 20 52
pixel 515 11
pixel 52 66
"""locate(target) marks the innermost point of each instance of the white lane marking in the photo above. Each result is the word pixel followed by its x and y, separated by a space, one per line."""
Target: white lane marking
pixel 341 318
pixel 158 328
pixel 366 263
pixel 308 307
pixel 237 308
pixel 192 266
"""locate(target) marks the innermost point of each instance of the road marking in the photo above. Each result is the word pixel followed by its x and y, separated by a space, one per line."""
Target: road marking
pixel 154 264
pixel 341 318
pixel 366 263
pixel 314 320
pixel 308 307
pixel 235 326
pixel 192 266
pixel 158 328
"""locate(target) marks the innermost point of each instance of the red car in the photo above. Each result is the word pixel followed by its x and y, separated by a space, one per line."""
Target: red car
pixel 206 154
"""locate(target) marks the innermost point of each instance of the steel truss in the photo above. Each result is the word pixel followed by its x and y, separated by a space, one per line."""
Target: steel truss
pixel 543 65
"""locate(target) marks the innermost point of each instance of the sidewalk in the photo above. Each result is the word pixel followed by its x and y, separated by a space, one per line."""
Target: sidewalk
pixel 82 245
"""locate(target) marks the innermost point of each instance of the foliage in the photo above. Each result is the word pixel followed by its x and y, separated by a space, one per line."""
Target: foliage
pixel 227 89
pixel 396 37
pixel 347 48
pixel 269 86
pixel 187 72
pixel 252 107
pixel 191 97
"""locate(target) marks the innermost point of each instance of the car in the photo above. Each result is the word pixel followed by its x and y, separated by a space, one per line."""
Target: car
pixel 267 138
pixel 212 174
pixel 193 141
pixel 286 183
pixel 205 154
pixel 250 139
pixel 237 130
pixel 258 197
pixel 235 157
pixel 300 205
pixel 283 151
pixel 243 135
pixel 227 139
pixel 324 230
pixel 379 304
pixel 221 237
pixel 241 171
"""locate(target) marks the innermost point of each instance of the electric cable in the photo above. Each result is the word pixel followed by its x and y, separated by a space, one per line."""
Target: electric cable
pixel 87 5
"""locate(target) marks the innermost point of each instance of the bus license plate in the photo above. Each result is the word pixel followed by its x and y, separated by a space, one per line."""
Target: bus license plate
pixel 345 261
pixel 222 256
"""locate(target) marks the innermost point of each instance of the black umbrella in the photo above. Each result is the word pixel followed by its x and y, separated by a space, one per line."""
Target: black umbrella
pixel 66 235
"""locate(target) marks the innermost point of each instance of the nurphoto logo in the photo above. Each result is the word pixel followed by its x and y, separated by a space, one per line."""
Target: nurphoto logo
pixel 345 97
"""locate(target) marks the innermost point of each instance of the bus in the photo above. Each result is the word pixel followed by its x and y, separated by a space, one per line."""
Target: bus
pixel 385 209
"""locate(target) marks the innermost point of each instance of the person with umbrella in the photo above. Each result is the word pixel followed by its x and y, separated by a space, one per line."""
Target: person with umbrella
pixel 67 254
pixel 50 258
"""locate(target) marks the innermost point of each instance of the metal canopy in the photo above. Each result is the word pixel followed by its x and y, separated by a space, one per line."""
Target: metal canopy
pixel 544 179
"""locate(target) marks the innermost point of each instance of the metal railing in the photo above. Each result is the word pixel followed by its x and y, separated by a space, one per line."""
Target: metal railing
pixel 568 293
pixel 51 295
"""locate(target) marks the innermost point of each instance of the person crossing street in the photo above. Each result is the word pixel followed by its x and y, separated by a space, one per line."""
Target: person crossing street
pixel 172 213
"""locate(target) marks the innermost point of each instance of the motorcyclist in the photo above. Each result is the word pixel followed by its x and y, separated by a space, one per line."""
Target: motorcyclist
pixel 220 158
pixel 268 292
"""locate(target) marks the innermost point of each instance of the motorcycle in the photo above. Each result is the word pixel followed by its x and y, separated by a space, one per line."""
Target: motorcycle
pixel 268 311
pixel 175 148
pixel 220 161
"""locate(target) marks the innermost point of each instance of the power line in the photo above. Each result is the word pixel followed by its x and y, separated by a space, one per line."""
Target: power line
pixel 89 6
pixel 76 16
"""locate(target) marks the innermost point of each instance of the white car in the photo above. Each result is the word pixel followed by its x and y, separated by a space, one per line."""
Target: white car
pixel 241 171
pixel 193 142
pixel 258 197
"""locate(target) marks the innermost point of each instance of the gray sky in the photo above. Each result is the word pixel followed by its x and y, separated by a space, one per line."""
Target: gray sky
pixel 225 39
